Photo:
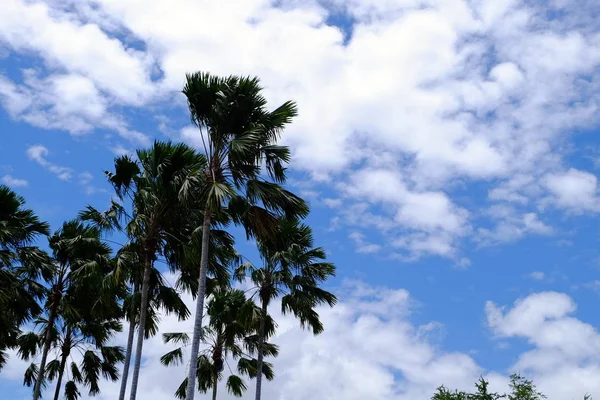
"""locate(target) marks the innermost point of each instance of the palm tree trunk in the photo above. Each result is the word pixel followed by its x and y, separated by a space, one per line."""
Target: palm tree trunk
pixel 215 383
pixel 63 362
pixel 190 391
pixel 259 360
pixel 127 360
pixel 37 389
pixel 142 321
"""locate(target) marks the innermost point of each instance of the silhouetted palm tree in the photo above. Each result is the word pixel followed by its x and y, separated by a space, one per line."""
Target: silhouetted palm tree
pixel 21 265
pixel 293 270
pixel 230 334
pixel 239 135
pixel 161 189
pixel 80 261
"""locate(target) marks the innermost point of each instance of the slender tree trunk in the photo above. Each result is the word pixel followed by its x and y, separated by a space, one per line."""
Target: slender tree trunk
pixel 191 385
pixel 149 250
pixel 37 389
pixel 127 360
pixel 66 350
pixel 259 360
pixel 215 383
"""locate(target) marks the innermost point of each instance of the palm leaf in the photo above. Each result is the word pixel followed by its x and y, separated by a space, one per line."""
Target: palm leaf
pixel 174 337
pixel 91 367
pixel 236 386
pixel 28 345
pixel 76 373
pixel 52 369
pixel 71 391
pixel 31 374
pixel 174 357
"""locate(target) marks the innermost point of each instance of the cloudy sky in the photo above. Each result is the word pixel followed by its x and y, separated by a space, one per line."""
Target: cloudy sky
pixel 448 149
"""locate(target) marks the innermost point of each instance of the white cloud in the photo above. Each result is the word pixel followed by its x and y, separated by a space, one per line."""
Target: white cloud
pixel 85 181
pixel 38 154
pixel 63 101
pixel 361 245
pixel 120 150
pixel 370 349
pixel 421 222
pixel 79 48
pixel 537 275
pixel 13 98
pixel 565 355
pixel 487 94
pixel 9 180
pixel 399 361
pixel 510 225
pixel 332 203
pixel 575 190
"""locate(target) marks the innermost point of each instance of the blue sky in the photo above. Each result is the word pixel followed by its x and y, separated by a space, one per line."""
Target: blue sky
pixel 448 149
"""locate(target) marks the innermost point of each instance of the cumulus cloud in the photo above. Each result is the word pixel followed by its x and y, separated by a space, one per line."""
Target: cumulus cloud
pixel 371 349
pixel 9 180
pixel 575 190
pixel 420 222
pixel 339 363
pixel 69 102
pixel 79 48
pixel 510 225
pixel 565 355
pixel 483 99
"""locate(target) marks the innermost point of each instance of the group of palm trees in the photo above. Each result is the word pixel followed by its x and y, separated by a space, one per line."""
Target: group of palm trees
pixel 61 308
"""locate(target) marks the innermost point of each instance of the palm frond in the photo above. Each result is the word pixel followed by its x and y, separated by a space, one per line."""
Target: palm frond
pixel 174 357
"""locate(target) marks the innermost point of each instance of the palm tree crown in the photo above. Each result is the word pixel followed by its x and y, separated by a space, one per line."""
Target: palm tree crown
pixel 231 334
pixel 293 270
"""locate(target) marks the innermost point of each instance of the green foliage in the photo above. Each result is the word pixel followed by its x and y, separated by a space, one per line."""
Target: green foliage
pixel 229 335
pixel 82 311
pixel 72 391
pixel 21 265
pixel 523 389
pixel 239 135
pixel 167 196
pixel 520 389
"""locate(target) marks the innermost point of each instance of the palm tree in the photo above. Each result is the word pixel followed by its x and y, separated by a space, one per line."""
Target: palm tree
pixel 161 297
pixel 239 135
pixel 79 258
pixel 181 255
pixel 162 189
pixel 20 267
pixel 293 270
pixel 231 333
pixel 89 338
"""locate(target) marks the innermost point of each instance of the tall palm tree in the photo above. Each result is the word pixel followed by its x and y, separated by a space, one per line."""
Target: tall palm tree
pixel 79 258
pixel 161 190
pixel 21 265
pixel 293 270
pixel 181 255
pixel 239 135
pixel 161 297
pixel 230 333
